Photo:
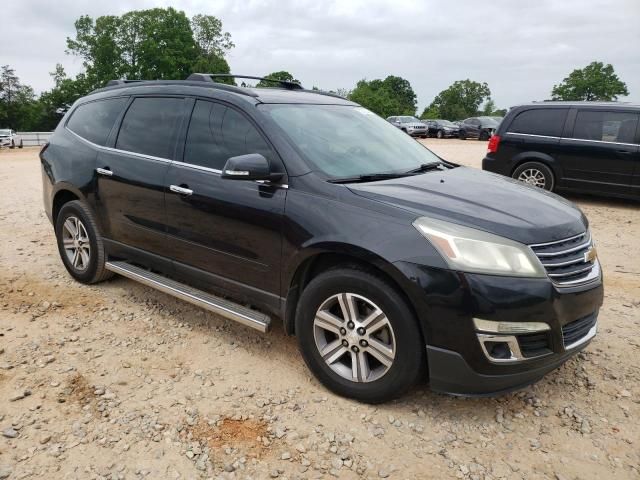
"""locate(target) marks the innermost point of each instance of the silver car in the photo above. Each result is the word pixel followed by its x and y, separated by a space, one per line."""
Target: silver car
pixel 9 138
pixel 409 125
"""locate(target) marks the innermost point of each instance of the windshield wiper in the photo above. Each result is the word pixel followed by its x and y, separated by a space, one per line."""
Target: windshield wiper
pixel 370 177
pixel 426 167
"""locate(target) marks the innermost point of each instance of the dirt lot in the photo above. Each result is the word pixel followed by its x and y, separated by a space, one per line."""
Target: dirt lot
pixel 120 381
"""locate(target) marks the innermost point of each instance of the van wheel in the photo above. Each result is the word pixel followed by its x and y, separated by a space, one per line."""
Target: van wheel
pixel 80 244
pixel 358 335
pixel 535 174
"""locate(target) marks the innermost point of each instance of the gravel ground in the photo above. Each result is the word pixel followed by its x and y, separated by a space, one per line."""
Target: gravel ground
pixel 120 381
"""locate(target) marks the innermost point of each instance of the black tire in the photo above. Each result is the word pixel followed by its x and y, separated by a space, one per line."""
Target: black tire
pixel 483 136
pixel 13 145
pixel 21 145
pixel 409 361
pixel 94 271
pixel 462 135
pixel 528 169
pixel 440 134
pixel 405 130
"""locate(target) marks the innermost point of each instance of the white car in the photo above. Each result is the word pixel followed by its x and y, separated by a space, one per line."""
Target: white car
pixel 9 138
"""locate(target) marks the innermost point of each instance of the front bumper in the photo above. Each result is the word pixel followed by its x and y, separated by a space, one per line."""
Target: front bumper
pixel 447 303
pixel 417 133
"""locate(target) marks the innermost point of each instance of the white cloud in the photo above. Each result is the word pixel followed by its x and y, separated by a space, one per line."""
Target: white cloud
pixel 519 49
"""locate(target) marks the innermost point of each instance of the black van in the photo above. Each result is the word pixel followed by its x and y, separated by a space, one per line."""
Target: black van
pixel 584 146
pixel 388 263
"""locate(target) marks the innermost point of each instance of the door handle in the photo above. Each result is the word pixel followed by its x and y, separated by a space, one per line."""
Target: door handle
pixel 180 190
pixel 104 171
pixel 624 152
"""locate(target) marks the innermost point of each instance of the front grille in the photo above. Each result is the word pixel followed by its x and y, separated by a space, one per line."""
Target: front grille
pixel 534 344
pixel 574 331
pixel 568 261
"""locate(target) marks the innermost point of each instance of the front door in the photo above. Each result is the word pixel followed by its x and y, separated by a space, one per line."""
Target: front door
pixel 131 174
pixel 229 229
pixel 601 152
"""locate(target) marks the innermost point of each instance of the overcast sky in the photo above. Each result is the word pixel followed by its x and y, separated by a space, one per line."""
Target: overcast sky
pixel 519 48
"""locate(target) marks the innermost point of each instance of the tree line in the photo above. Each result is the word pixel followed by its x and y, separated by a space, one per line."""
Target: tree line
pixel 163 43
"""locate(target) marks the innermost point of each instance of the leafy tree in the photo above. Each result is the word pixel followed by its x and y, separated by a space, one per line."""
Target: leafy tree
pixel 65 91
pixel 489 107
pixel 18 107
pixel 430 113
pixel 460 100
pixel 149 44
pixel 281 75
pixel 596 81
pixel 391 96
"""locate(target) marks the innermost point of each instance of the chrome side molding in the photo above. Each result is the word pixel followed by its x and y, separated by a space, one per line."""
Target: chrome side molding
pixel 217 305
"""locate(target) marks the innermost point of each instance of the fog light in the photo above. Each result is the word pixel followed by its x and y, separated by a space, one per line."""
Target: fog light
pixel 500 348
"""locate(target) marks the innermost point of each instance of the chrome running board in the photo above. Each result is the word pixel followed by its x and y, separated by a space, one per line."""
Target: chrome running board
pixel 220 306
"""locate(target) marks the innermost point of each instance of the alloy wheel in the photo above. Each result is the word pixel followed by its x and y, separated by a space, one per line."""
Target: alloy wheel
pixel 75 241
pixel 354 337
pixel 533 177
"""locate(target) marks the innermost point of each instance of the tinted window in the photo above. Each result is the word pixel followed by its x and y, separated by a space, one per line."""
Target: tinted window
pixel 95 120
pixel 547 121
pixel 606 126
pixel 150 126
pixel 217 133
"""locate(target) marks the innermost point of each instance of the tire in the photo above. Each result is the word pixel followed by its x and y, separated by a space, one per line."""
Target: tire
pixel 462 135
pixel 483 136
pixel 535 174
pixel 13 145
pixel 21 145
pixel 90 265
pixel 440 134
pixel 396 329
pixel 405 130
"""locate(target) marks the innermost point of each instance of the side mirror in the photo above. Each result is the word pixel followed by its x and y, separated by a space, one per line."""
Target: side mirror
pixel 252 166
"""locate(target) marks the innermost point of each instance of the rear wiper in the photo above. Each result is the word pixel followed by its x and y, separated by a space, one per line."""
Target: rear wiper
pixel 370 177
pixel 427 167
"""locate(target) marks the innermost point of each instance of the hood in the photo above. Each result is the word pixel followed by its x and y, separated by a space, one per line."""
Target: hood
pixel 482 200
pixel 414 124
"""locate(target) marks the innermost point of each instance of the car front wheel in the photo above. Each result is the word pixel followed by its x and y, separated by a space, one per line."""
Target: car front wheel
pixel 358 335
pixel 440 134
pixel 535 174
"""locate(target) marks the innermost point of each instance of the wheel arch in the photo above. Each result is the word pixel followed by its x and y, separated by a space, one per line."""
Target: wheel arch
pixel 62 194
pixel 321 258
pixel 543 158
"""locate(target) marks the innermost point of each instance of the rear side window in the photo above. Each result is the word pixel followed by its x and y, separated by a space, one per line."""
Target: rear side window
pixel 605 126
pixel 542 121
pixel 150 126
pixel 93 121
pixel 217 132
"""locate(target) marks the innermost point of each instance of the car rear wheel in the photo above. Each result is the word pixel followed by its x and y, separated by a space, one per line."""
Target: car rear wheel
pixel 80 244
pixel 483 136
pixel 358 335
pixel 462 135
pixel 535 174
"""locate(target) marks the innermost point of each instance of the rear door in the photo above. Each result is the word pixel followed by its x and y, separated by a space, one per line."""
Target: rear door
pixel 229 229
pixel 131 173
pixel 600 151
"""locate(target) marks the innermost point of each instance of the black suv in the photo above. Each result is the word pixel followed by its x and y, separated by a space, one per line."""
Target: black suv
pixel 478 127
pixel 583 146
pixel 384 260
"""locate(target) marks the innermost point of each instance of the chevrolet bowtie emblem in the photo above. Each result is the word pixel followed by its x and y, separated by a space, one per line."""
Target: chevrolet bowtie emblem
pixel 590 255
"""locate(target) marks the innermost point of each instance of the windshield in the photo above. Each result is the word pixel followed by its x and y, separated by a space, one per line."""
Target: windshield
pixel 409 119
pixel 5 132
pixel 345 141
pixel 488 120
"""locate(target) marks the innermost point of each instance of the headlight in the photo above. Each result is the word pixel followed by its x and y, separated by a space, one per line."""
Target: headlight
pixel 470 250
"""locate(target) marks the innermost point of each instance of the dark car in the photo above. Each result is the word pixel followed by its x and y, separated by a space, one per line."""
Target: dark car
pixel 409 125
pixel 582 146
pixel 388 263
pixel 478 127
pixel 442 128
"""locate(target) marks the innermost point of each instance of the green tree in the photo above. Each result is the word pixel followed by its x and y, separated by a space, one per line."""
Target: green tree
pixel 460 100
pixel 594 82
pixel 430 113
pixel 18 107
pixel 149 44
pixel 66 90
pixel 391 96
pixel 281 75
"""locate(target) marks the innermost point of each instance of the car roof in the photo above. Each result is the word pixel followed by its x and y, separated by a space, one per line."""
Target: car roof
pixel 218 90
pixel 574 103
